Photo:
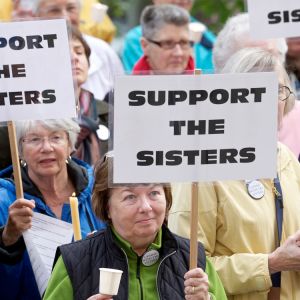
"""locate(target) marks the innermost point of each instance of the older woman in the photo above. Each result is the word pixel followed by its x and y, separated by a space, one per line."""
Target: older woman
pixel 251 228
pixel 154 261
pixel 165 42
pixel 49 177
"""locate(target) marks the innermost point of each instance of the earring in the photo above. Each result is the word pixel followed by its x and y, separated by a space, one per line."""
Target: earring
pixel 23 163
pixel 68 160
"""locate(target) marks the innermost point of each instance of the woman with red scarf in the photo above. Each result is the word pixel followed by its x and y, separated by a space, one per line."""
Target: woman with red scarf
pixel 165 42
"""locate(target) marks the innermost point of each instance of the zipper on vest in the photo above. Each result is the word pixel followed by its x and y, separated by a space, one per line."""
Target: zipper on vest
pixel 138 276
pixel 159 297
pixel 127 271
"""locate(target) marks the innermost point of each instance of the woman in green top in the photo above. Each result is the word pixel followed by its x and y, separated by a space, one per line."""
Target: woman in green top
pixel 154 261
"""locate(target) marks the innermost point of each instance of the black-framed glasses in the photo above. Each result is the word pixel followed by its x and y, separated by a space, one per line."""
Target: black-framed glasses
pixel 169 45
pixel 284 92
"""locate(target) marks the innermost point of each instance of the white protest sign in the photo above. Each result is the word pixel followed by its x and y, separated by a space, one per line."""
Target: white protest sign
pixel 185 128
pixel 274 19
pixel 35 71
pixel 41 240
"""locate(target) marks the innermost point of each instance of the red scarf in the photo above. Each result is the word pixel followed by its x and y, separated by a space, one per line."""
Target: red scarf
pixel 142 66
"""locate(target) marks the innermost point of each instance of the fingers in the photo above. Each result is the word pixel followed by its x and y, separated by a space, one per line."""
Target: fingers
pixel 196 284
pixel 197 272
pixel 23 203
pixel 19 219
pixel 297 235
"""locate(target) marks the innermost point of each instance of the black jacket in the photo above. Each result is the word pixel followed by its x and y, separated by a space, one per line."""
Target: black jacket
pixel 84 258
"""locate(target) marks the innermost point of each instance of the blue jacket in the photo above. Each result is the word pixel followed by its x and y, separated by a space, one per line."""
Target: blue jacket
pixel 17 281
pixel 132 50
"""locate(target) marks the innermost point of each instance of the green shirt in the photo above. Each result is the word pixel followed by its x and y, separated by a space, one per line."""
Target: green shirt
pixel 60 286
pixel 142 279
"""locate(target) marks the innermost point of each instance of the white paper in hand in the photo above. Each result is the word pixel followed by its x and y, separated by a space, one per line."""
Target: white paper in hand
pixel 45 235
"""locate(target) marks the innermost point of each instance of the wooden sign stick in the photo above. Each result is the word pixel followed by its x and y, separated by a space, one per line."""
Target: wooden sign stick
pixel 194 219
pixel 194 227
pixel 15 159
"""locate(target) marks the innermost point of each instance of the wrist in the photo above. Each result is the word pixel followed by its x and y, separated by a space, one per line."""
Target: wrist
pixel 6 239
pixel 273 263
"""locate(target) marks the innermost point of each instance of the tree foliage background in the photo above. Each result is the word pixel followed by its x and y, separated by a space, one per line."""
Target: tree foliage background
pixel 213 13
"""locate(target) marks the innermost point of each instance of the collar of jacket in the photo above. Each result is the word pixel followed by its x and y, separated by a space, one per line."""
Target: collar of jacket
pixel 76 171
pixel 142 66
pixel 155 245
pixel 169 243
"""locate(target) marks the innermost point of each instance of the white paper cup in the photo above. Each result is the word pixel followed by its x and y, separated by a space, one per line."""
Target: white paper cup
pixel 98 11
pixel 109 281
pixel 196 31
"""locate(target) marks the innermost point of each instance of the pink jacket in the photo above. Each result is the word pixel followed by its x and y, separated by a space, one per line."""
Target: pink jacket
pixel 289 133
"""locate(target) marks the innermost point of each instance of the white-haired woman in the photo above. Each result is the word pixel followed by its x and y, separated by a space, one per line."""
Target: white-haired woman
pixel 49 178
pixel 251 228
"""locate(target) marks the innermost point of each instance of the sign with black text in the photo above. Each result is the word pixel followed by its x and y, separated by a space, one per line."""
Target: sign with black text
pixel 35 71
pixel 274 19
pixel 184 128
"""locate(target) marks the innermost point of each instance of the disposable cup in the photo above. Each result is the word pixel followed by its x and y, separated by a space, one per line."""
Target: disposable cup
pixel 196 31
pixel 109 281
pixel 98 11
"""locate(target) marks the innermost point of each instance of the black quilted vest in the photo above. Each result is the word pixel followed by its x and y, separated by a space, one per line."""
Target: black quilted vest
pixel 84 258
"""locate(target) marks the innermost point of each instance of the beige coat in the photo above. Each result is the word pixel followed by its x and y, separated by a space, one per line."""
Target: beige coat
pixel 238 232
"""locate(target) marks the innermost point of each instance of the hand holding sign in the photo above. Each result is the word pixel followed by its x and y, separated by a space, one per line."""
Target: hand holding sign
pixel 19 220
pixel 287 256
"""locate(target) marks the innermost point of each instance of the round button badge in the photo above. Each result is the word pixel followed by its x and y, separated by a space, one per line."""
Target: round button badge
pixel 255 189
pixel 150 258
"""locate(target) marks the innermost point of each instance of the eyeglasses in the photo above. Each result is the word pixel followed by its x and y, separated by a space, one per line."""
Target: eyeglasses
pixel 169 45
pixel 38 141
pixel 284 93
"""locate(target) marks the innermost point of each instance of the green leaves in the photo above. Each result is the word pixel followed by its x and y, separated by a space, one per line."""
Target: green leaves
pixel 214 13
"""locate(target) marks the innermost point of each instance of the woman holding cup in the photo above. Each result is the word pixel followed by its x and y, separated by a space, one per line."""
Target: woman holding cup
pixel 154 261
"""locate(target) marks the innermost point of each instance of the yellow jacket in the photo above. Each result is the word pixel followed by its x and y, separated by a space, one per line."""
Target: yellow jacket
pixel 105 30
pixel 239 232
pixel 5 10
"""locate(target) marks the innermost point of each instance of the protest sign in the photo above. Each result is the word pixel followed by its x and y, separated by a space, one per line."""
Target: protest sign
pixel 35 71
pixel 185 128
pixel 36 83
pixel 274 19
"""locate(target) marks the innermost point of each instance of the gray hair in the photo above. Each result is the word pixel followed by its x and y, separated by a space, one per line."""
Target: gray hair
pixel 155 17
pixel 70 126
pixel 234 36
pixel 258 60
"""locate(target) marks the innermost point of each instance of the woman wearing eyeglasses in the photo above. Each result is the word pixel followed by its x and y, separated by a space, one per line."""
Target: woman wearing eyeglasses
pixel 251 229
pixel 165 42
pixel 49 178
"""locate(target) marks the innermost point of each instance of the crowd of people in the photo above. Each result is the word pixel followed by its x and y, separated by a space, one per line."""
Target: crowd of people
pixel 248 241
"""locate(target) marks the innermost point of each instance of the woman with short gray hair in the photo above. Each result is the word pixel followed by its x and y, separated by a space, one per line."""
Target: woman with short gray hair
pixel 165 41
pixel 50 176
